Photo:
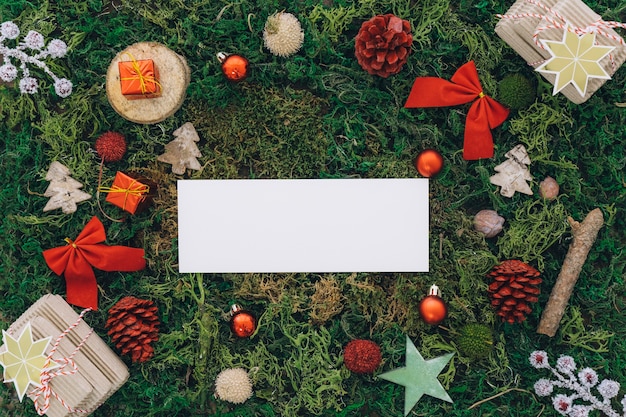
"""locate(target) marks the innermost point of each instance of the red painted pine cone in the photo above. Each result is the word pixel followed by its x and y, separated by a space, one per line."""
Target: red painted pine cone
pixel 133 325
pixel 383 45
pixel 514 289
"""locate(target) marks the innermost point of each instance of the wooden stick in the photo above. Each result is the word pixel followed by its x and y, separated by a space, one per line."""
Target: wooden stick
pixel 585 234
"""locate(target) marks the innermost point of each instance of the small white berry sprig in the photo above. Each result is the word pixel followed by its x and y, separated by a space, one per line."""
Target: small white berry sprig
pixel 579 383
pixel 33 41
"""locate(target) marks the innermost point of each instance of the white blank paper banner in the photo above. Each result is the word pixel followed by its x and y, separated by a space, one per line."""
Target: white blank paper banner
pixel 330 225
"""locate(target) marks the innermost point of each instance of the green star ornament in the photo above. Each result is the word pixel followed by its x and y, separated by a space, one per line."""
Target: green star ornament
pixel 419 377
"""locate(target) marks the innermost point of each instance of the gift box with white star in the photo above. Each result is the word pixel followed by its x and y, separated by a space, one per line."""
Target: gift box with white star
pixel 567 42
pixel 52 356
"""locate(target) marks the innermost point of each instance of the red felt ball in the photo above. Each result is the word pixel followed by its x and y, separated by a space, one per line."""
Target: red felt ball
pixel 362 356
pixel 111 146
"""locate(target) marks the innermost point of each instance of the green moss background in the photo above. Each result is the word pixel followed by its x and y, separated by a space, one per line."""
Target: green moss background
pixel 317 114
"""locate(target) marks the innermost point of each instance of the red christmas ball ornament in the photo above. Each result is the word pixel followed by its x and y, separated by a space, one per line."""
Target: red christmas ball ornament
pixel 432 308
pixel 235 67
pixel 429 163
pixel 111 146
pixel 242 322
pixel 362 356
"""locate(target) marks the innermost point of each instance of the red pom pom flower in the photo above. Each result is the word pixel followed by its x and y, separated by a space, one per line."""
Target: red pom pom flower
pixel 383 45
pixel 362 356
pixel 111 146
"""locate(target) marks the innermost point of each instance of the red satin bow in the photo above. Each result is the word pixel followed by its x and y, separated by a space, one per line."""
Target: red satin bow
pixel 484 114
pixel 79 256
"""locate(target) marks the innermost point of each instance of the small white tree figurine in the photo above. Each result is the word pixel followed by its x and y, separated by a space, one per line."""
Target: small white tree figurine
pixel 182 151
pixel 33 41
pixel 513 173
pixel 64 191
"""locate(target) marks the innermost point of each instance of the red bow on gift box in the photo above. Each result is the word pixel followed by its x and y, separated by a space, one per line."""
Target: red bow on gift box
pixel 78 258
pixel 464 87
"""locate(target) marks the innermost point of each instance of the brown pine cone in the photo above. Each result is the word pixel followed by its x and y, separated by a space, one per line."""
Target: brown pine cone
pixel 383 44
pixel 513 289
pixel 133 325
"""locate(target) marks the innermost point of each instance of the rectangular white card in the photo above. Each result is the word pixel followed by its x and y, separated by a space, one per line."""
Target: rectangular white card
pixel 328 225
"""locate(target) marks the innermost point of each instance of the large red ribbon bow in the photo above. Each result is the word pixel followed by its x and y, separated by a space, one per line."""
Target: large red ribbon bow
pixel 78 258
pixel 464 87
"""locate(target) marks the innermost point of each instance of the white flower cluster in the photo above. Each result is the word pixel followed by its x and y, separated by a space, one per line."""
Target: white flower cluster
pixel 33 41
pixel 579 383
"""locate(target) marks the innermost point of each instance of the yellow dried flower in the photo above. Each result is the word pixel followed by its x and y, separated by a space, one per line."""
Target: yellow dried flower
pixel 283 34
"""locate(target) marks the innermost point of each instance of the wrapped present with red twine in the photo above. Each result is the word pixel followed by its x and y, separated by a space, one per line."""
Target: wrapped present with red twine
pixel 529 24
pixel 139 79
pixel 130 192
pixel 69 369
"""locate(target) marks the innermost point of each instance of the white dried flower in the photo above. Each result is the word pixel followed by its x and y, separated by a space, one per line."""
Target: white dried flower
pixel 562 403
pixel 233 385
pixel 579 411
pixel 34 40
pixel 539 359
pixel 580 388
pixel 608 388
pixel 63 87
pixel 283 34
pixel 588 377
pixel 8 72
pixel 57 48
pixel 543 387
pixel 21 53
pixel 565 364
pixel 28 85
pixel 9 30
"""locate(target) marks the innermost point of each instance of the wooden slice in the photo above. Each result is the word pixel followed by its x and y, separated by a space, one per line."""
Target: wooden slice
pixel 174 77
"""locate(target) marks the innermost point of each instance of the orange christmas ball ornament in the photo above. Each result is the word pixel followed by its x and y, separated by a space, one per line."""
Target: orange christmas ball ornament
pixel 432 308
pixel 429 163
pixel 234 67
pixel 242 322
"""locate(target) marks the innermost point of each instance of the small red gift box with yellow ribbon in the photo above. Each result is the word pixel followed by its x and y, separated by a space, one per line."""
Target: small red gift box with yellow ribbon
pixel 130 193
pixel 139 79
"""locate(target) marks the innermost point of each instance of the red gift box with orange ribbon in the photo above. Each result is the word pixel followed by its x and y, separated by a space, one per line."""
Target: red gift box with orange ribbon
pixel 139 79
pixel 130 193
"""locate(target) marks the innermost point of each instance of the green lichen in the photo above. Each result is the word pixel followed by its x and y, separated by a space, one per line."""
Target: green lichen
pixel 572 332
pixel 536 225
pixel 541 129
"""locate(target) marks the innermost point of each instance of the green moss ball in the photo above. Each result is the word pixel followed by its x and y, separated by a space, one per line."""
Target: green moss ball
pixel 475 341
pixel 516 92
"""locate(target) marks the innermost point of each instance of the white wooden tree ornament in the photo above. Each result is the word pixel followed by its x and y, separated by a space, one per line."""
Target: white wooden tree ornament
pixel 182 152
pixel 513 173
pixel 64 191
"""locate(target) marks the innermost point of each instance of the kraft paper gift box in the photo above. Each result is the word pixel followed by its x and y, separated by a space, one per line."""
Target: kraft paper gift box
pixel 99 371
pixel 529 21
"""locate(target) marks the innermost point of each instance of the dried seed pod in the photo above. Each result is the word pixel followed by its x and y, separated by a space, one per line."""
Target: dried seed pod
pixel 549 188
pixel 488 222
